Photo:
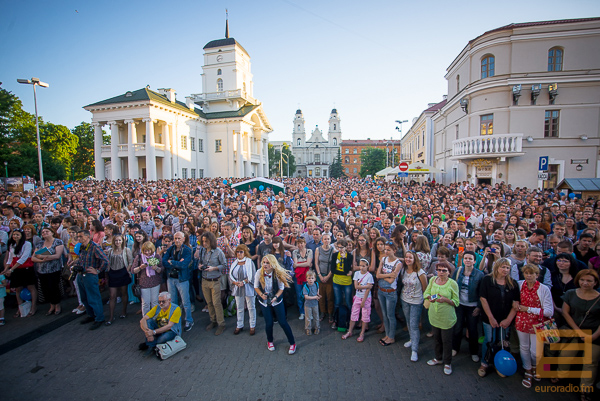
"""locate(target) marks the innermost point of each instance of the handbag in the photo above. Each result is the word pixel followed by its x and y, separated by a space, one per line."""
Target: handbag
pixel 136 288
pixel 547 331
pixel 498 343
pixel 170 348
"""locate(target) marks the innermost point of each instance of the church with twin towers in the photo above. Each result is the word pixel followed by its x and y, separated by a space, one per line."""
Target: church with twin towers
pixel 315 155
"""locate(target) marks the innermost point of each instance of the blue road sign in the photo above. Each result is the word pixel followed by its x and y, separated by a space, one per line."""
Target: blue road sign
pixel 543 163
pixel 402 175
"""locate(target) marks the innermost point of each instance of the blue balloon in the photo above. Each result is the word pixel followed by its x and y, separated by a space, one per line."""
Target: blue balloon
pixel 51 186
pixel 261 188
pixel 25 294
pixel 66 187
pixel 505 363
pixel 572 195
pixel 225 182
pixel 305 189
pixel 562 194
pixel 353 194
pixel 77 248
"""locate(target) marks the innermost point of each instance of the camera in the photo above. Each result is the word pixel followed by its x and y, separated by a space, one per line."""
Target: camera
pixel 493 250
pixel 173 273
pixel 75 270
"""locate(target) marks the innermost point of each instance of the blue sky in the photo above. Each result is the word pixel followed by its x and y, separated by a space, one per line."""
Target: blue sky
pixel 376 61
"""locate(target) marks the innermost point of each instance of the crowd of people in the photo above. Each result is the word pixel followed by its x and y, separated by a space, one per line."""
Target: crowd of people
pixel 458 262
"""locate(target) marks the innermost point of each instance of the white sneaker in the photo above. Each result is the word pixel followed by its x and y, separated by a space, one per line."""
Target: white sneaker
pixel 407 344
pixel 475 358
pixel 414 357
pixel 447 370
pixel 292 350
pixel 454 352
pixel 118 300
pixel 301 317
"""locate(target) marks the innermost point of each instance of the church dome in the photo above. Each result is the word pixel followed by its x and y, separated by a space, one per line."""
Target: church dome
pixel 334 111
pixel 298 111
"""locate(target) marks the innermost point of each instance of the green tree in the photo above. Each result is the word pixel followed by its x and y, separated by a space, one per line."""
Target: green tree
pixel 274 159
pixel 287 151
pixel 373 160
pixel 337 170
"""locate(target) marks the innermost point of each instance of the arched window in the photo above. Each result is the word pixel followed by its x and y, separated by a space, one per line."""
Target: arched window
pixel 219 72
pixel 334 127
pixel 555 59
pixel 219 85
pixel 488 66
pixel 299 141
pixel 334 141
pixel 346 159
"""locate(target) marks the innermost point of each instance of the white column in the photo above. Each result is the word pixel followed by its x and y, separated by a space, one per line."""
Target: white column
pixel 240 166
pixel 167 159
pixel 98 160
pixel 132 161
pixel 115 161
pixel 150 150
pixel 261 164
pixel 248 163
pixel 265 148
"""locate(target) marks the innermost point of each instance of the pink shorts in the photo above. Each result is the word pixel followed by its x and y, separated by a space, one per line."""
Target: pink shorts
pixel 366 310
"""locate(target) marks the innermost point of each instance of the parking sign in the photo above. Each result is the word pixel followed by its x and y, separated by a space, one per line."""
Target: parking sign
pixel 543 163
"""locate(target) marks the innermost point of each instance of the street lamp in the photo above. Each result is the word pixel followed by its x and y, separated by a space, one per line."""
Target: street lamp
pixel 287 161
pixel 6 171
pixel 34 82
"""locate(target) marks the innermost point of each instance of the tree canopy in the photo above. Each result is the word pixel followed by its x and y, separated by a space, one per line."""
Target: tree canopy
pixel 372 160
pixel 337 170
pixel 275 160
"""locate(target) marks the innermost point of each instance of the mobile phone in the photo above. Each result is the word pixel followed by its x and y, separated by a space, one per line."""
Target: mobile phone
pixel 493 250
pixel 434 297
pixel 461 249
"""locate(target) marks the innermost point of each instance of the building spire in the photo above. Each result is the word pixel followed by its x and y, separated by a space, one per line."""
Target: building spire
pixel 226 24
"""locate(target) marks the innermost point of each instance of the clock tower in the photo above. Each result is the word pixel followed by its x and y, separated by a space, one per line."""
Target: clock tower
pixel 335 131
pixel 299 133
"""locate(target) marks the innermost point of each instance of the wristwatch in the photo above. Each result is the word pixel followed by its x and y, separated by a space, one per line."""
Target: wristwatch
pixel 154 332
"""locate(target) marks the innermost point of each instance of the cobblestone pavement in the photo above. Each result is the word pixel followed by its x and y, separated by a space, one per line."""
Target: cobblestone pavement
pixel 73 363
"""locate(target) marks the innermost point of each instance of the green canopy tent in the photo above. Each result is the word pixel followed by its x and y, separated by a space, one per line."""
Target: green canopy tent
pixel 248 185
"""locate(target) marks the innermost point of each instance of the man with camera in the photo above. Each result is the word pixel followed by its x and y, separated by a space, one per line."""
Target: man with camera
pixel 92 261
pixel 178 263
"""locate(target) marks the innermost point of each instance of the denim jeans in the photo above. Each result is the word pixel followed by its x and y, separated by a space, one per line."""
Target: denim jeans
pixel 279 311
pixel 342 291
pixel 488 332
pixel 412 314
pixel 388 301
pixel 299 296
pixel 159 338
pixel 250 302
pixel 90 295
pixel 175 286
pixel 464 317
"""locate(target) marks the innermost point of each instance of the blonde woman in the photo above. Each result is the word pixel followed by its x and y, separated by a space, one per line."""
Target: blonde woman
pixel 271 279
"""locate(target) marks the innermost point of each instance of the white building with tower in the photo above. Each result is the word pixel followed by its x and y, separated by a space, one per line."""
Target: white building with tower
pixel 221 132
pixel 315 155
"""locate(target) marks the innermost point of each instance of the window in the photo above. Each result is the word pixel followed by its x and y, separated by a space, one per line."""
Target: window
pixel 324 173
pixel 184 173
pixel 355 160
pixel 551 124
pixel 457 132
pixel 183 142
pixel 347 151
pixel 193 173
pixel 346 159
pixel 347 170
pixel 200 173
pixel 193 144
pixel 317 158
pixel 555 59
pixel 219 85
pixel 310 173
pixel 355 170
pixel 552 180
pixel 487 124
pixel 218 147
pixel 458 83
pixel 334 141
pixel 219 72
pixel 200 145
pixel 299 141
pixel 487 66
pixel 355 151
pixel 318 172
pixel 334 127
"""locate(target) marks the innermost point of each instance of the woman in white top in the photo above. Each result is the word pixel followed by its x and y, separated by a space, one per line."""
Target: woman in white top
pixel 270 281
pixel 19 268
pixel 387 276
pixel 241 277
pixel 414 283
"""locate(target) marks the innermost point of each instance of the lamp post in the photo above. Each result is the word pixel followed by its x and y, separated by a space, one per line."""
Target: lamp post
pixel 72 173
pixel 34 82
pixel 6 180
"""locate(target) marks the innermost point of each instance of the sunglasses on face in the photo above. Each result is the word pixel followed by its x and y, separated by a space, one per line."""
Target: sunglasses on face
pixel 442 270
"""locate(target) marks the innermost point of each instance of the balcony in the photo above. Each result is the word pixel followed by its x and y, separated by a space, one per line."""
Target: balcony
pixel 488 146
pixel 224 95
pixel 139 150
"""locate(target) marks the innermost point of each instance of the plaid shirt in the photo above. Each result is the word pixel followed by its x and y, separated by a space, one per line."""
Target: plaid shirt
pixel 233 242
pixel 92 256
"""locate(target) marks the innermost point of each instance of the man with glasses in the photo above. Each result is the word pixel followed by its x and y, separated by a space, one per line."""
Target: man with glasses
pixel 94 261
pixel 178 261
pixel 161 324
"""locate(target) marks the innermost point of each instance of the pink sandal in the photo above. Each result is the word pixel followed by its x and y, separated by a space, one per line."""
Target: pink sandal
pixel 347 335
pixel 360 338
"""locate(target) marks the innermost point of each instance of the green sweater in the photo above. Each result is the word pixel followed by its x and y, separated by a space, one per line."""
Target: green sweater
pixel 442 315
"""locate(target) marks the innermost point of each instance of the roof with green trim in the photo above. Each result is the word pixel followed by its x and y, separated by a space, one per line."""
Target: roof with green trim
pixel 229 114
pixel 146 94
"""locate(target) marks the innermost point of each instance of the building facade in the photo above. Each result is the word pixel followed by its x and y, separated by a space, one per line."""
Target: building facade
pixel 315 155
pixel 353 148
pixel 417 144
pixel 222 132
pixel 518 93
